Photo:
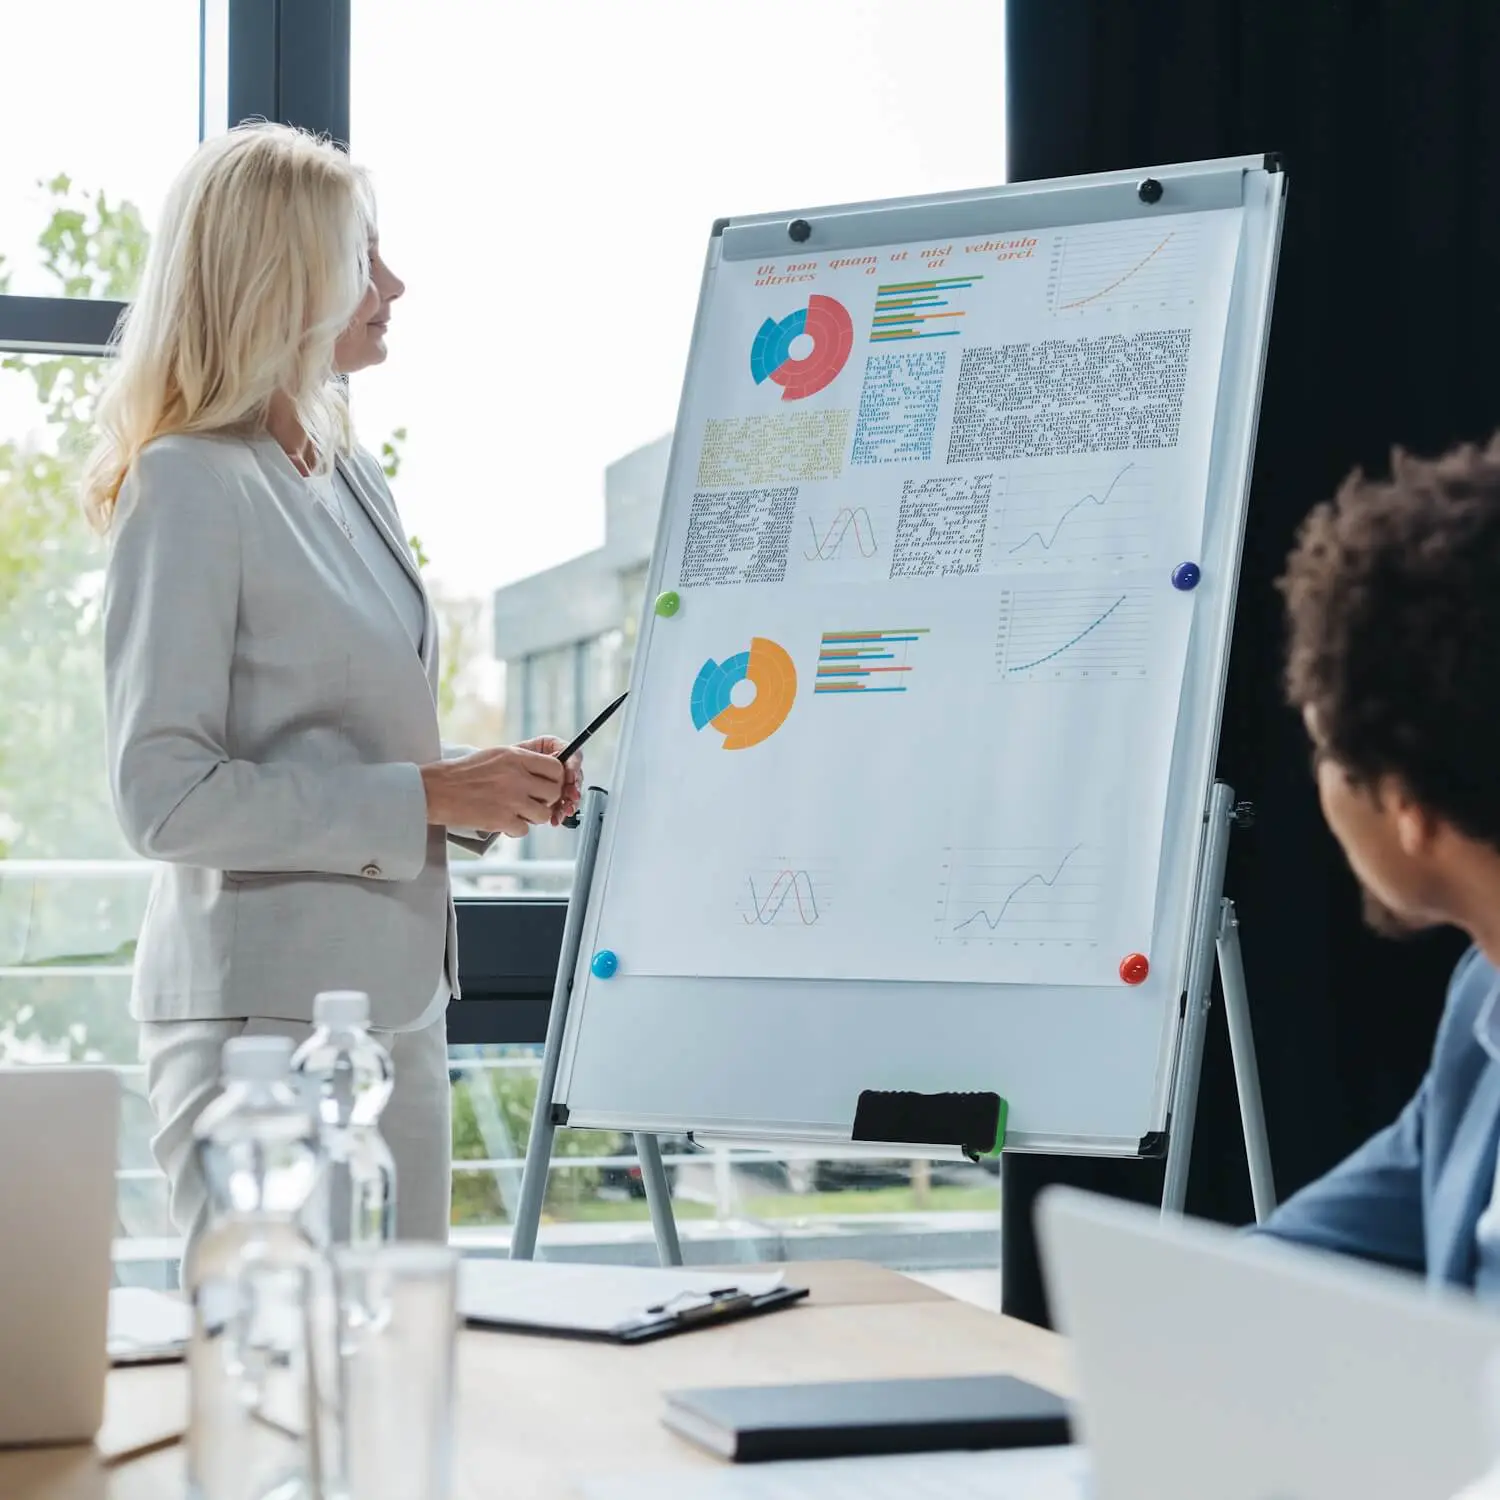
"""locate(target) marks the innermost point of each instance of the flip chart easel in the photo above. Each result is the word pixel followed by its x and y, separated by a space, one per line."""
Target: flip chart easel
pixel 1216 939
pixel 664 1019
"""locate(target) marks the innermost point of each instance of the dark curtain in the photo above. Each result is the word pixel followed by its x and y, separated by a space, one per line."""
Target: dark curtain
pixel 1386 331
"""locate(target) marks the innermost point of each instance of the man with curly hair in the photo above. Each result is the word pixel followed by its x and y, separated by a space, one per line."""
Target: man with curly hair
pixel 1393 602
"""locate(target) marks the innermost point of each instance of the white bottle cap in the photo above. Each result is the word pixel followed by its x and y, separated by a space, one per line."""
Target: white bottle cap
pixel 257 1059
pixel 341 1008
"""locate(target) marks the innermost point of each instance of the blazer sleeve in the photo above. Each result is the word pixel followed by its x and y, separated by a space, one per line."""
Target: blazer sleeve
pixel 171 601
pixel 1370 1205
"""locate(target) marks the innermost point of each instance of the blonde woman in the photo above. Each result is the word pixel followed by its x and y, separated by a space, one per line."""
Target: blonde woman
pixel 271 658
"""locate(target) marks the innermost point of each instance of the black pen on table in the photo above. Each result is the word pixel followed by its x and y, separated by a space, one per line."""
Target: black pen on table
pixel 579 740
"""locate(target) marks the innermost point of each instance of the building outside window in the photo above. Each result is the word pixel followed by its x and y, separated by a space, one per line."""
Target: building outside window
pixel 566 634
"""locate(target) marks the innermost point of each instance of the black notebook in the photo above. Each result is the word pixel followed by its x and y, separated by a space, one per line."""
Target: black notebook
pixel 750 1424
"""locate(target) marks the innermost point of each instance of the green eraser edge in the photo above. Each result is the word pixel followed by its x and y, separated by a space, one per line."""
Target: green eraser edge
pixel 999 1145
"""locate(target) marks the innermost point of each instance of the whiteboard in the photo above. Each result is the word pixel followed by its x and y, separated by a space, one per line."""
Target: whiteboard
pixel 966 441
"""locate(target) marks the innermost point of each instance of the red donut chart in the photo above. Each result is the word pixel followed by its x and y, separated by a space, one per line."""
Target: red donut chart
pixel 827 322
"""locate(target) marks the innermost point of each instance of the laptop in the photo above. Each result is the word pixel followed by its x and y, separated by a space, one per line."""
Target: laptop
pixel 1213 1364
pixel 58 1137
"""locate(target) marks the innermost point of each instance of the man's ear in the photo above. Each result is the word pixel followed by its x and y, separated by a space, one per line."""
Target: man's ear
pixel 1417 829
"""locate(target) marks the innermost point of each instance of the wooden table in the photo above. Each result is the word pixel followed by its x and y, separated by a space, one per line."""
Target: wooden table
pixel 535 1414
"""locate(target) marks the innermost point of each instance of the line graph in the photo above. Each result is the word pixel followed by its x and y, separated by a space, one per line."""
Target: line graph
pixel 1078 515
pixel 1072 635
pixel 782 894
pixel 1022 894
pixel 851 532
pixel 1122 268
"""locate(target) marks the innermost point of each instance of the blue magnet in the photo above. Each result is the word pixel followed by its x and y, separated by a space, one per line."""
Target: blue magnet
pixel 605 965
pixel 1185 576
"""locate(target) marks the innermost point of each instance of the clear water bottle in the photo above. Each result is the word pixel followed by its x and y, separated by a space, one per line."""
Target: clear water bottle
pixel 346 1076
pixel 257 1426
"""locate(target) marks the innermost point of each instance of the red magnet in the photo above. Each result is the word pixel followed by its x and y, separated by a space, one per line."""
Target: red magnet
pixel 1134 968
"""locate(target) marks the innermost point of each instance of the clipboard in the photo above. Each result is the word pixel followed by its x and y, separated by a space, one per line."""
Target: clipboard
pixel 613 1304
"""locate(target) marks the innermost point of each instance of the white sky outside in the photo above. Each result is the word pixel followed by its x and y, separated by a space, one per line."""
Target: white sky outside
pixel 547 176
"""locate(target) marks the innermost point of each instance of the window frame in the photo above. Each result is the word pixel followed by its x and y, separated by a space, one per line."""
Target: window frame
pixel 283 60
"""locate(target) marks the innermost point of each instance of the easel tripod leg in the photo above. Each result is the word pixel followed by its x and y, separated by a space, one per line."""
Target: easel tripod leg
pixel 543 1127
pixel 533 1185
pixel 658 1198
pixel 1209 894
pixel 1246 1074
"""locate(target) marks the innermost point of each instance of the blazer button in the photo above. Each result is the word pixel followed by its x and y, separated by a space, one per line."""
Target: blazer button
pixel 371 872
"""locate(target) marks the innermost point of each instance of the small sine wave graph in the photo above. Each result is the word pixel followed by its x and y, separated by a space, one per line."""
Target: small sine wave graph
pixel 1047 893
pixel 1073 634
pixel 1078 515
pixel 1121 268
pixel 781 894
pixel 850 534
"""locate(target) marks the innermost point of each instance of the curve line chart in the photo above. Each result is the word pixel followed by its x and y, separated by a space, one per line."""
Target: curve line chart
pixel 851 533
pixel 1025 894
pixel 1122 268
pixel 780 893
pixel 1073 635
pixel 1079 515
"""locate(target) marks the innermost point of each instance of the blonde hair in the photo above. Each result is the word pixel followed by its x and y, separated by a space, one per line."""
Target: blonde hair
pixel 260 261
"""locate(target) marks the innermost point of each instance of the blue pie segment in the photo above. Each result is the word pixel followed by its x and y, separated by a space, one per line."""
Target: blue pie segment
pixel 773 344
pixel 715 682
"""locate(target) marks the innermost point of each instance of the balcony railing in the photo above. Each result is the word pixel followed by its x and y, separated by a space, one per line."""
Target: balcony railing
pixel 733 1202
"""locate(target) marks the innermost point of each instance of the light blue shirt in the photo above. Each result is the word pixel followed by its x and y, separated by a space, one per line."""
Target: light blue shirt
pixel 1487 1231
pixel 1413 1195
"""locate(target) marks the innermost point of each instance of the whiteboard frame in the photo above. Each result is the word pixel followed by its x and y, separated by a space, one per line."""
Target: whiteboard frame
pixel 1256 183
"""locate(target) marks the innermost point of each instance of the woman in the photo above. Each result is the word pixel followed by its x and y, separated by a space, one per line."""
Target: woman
pixel 271 659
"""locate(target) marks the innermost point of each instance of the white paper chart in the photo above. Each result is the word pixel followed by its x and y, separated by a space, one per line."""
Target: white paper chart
pixel 915 715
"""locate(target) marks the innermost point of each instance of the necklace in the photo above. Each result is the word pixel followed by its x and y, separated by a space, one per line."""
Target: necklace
pixel 327 490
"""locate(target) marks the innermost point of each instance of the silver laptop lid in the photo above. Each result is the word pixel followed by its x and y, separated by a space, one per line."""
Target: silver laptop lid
pixel 1210 1363
pixel 58 1135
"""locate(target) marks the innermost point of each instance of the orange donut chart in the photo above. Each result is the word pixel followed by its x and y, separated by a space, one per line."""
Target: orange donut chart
pixel 768 666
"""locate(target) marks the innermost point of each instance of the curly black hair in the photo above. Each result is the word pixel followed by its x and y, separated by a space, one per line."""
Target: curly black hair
pixel 1393 601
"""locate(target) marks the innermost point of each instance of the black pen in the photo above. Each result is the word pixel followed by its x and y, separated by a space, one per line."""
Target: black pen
pixel 585 735
pixel 599 721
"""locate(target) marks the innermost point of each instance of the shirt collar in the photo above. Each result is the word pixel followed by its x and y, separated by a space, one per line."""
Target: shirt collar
pixel 1487 1024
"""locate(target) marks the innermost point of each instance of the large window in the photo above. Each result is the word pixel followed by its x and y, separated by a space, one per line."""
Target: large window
pixel 100 94
pixel 81 183
pixel 547 178
pixel 83 175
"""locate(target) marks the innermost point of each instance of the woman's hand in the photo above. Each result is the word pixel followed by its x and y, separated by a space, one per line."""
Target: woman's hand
pixel 505 790
pixel 572 794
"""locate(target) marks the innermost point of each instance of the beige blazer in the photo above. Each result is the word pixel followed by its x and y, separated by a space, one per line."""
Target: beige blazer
pixel 266 718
